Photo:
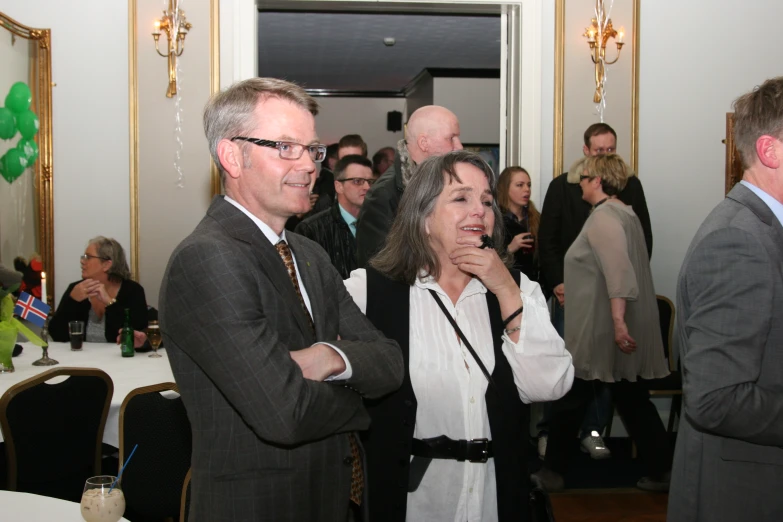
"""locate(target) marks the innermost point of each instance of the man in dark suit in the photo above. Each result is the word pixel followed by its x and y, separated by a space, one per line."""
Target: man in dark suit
pixel 728 462
pixel 270 353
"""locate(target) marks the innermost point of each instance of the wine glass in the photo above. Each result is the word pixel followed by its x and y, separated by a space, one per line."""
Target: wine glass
pixel 154 337
pixel 101 503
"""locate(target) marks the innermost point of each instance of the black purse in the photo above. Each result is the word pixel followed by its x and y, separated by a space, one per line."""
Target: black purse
pixel 540 504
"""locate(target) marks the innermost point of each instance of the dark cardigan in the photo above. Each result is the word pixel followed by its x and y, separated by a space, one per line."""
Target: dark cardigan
pixel 131 296
pixel 388 441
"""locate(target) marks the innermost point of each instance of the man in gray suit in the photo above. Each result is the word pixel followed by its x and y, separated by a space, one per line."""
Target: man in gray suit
pixel 271 355
pixel 728 463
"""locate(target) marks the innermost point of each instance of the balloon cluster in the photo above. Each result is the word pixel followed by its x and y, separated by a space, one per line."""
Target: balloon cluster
pixel 15 117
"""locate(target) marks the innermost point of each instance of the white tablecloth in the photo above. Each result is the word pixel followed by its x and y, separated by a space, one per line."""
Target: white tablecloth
pixel 128 373
pixel 26 507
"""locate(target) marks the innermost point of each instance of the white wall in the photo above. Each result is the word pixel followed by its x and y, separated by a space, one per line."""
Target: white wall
pixel 90 122
pixel 476 102
pixel 363 116
pixel 685 91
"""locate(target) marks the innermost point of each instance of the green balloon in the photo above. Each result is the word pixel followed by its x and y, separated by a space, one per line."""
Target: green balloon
pixel 7 124
pixel 14 162
pixel 19 97
pixel 27 123
pixel 30 150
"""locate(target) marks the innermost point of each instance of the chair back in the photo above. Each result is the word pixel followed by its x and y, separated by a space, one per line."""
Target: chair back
pixel 666 318
pixel 185 508
pixel 152 483
pixel 53 432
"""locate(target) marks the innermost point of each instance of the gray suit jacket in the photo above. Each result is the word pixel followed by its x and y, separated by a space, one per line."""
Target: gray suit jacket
pixel 268 445
pixel 728 463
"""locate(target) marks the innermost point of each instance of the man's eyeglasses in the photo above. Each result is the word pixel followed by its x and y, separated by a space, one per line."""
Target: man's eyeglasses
pixel 583 177
pixel 358 181
pixel 86 257
pixel 289 149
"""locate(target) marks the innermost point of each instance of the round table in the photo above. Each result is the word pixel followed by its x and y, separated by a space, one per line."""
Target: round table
pixel 26 507
pixel 128 373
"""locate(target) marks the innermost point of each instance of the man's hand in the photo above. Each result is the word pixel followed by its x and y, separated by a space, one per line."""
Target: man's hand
pixel 318 362
pixel 560 294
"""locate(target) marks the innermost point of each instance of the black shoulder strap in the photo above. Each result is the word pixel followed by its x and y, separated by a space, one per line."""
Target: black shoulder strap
pixel 465 340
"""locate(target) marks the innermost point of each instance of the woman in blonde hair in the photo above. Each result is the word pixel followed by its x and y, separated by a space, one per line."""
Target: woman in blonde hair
pixel 520 219
pixel 611 329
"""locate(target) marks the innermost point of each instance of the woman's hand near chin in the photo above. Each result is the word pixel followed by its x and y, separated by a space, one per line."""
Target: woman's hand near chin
pixel 485 264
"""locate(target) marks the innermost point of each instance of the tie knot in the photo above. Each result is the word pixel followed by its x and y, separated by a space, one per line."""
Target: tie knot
pixel 282 248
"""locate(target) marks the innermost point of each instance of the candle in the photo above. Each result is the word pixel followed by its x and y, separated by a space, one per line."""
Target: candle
pixel 43 287
pixel 621 35
pixel 157 27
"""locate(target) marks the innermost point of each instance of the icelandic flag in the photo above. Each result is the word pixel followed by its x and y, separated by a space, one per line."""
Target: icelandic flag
pixel 32 309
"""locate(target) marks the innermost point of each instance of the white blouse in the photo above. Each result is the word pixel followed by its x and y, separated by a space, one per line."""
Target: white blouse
pixel 450 387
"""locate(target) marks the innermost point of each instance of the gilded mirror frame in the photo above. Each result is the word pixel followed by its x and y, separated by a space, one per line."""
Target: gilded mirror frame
pixel 559 123
pixel 40 84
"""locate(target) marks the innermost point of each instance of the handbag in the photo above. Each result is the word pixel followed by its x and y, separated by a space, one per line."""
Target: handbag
pixel 540 504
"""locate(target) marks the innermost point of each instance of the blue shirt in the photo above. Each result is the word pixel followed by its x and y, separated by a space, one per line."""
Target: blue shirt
pixel 774 205
pixel 349 220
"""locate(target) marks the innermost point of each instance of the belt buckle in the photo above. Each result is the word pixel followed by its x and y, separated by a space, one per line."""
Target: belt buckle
pixel 484 451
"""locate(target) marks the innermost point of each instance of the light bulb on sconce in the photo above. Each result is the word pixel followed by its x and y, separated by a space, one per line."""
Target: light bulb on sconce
pixel 176 27
pixel 598 34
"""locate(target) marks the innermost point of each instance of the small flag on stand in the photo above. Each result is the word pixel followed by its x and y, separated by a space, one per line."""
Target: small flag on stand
pixel 31 309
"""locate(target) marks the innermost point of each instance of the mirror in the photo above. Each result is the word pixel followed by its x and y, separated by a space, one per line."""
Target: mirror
pixel 26 225
pixel 575 80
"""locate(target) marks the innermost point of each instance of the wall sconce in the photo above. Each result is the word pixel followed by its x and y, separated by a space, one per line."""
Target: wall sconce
pixel 598 35
pixel 176 27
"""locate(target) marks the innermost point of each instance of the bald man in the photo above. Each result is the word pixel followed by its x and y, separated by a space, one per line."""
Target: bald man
pixel 431 131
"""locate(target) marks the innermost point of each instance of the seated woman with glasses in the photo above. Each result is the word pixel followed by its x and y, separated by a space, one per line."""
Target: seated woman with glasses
pixel 100 298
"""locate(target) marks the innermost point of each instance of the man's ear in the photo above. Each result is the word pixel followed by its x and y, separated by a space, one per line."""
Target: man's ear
pixel 338 187
pixel 768 152
pixel 585 150
pixel 422 143
pixel 230 155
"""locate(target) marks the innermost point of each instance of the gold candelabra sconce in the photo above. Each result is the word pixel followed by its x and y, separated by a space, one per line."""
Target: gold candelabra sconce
pixel 174 25
pixel 598 35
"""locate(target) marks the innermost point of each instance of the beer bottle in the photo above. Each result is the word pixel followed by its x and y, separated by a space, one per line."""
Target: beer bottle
pixel 126 339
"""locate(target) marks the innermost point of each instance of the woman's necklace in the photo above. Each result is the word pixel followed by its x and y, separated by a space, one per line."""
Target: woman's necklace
pixel 602 202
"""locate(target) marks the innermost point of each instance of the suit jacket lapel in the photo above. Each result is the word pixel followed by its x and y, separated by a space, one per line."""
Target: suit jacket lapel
pixel 242 228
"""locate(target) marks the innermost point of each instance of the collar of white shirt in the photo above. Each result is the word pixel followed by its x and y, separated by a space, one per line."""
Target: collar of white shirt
pixel 427 282
pixel 774 205
pixel 270 234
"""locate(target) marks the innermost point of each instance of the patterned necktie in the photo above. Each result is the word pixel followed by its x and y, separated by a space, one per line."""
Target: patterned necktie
pixel 288 259
pixel 357 475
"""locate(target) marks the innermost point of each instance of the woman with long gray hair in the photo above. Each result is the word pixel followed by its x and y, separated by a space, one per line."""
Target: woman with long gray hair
pixel 100 298
pixel 441 289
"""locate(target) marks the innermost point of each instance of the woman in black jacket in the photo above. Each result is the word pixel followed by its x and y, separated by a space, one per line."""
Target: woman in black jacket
pixel 100 298
pixel 520 219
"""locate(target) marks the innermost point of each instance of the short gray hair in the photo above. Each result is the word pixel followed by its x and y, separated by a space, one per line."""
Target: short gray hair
pixel 408 249
pixel 230 113
pixel 757 113
pixel 110 249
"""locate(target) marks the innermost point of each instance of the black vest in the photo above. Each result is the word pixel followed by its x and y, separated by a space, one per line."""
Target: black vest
pixel 388 441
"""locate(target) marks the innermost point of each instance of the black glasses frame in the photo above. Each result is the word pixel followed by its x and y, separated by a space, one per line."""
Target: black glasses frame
pixel 583 177
pixel 354 181
pixel 317 151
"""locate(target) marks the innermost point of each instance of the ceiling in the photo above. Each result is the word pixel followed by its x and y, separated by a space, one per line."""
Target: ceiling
pixel 345 51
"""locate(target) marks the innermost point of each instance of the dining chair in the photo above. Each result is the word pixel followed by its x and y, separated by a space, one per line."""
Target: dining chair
pixel 53 431
pixel 185 504
pixel 158 423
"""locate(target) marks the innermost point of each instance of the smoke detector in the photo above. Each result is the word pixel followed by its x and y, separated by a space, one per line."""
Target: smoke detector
pixel 389 41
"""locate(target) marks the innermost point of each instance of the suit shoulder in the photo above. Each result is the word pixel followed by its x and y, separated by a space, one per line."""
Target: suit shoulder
pixel 309 221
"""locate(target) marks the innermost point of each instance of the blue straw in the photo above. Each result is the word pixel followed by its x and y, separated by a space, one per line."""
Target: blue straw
pixel 122 469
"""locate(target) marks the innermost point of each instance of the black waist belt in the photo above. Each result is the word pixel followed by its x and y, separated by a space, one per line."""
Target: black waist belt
pixel 442 447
